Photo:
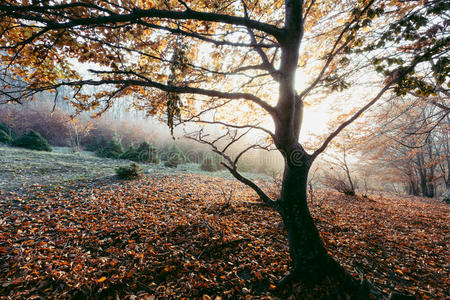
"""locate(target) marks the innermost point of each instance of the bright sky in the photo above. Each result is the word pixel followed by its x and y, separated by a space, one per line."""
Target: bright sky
pixel 315 117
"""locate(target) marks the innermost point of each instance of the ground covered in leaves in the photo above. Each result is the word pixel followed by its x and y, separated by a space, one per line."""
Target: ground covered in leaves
pixel 174 236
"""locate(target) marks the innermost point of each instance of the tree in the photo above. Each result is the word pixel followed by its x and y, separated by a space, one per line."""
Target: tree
pixel 197 61
pixel 78 131
pixel 411 139
pixel 4 137
pixel 334 178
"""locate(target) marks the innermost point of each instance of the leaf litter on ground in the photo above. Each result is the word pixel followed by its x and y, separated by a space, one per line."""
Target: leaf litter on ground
pixel 175 236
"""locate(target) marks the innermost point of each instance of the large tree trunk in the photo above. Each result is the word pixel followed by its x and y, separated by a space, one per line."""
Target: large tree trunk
pixel 311 261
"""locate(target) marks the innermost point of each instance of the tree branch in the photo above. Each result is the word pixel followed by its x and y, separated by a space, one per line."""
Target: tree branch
pixel 398 77
pixel 266 199
pixel 134 16
pixel 167 88
pixel 266 64
pixel 253 44
pixel 334 51
pixel 232 167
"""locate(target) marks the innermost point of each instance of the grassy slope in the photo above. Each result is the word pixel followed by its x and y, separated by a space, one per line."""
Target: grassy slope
pixel 21 169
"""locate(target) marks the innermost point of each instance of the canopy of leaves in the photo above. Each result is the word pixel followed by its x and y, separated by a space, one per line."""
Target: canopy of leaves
pixel 422 34
pixel 156 50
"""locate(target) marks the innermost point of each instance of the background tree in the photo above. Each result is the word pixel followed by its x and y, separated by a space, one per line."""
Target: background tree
pixel 340 179
pixel 197 61
pixel 411 138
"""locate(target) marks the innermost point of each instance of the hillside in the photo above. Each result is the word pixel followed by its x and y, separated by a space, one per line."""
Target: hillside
pixel 22 169
pixel 171 235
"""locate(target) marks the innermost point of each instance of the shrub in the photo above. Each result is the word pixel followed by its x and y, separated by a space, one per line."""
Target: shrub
pixel 4 137
pixel 32 140
pixel 174 157
pixel 132 171
pixel 97 144
pixel 173 161
pixel 147 153
pixel 4 127
pixel 130 154
pixel 113 149
pixel 335 181
pixel 8 130
pixel 211 164
pixel 144 153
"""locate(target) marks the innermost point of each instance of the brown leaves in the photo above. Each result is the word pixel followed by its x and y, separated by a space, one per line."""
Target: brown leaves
pixel 398 243
pixel 172 236
pixel 156 236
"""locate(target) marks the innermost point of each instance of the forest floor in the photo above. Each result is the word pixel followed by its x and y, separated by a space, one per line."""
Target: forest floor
pixel 174 236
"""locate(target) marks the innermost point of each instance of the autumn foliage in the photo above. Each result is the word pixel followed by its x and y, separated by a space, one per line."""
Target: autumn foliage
pixel 231 64
pixel 173 236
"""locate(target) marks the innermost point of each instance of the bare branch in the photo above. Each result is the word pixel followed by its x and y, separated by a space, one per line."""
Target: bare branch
pixel 398 77
pixel 235 126
pixel 266 199
pixel 231 166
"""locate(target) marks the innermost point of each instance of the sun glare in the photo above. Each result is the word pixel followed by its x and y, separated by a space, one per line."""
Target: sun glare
pixel 315 117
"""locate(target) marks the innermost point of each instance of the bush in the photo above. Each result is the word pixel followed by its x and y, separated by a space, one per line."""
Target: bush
pixel 132 171
pixel 173 161
pixel 97 144
pixel 113 149
pixel 147 153
pixel 174 157
pixel 32 140
pixel 130 154
pixel 334 181
pixel 144 153
pixel 211 164
pixel 4 137
pixel 11 133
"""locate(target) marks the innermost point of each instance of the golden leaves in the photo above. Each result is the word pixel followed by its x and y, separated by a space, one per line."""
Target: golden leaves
pixel 147 4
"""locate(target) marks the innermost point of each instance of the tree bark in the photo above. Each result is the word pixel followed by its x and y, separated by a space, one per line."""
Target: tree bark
pixel 311 261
